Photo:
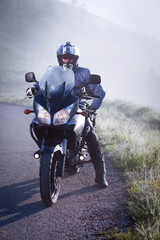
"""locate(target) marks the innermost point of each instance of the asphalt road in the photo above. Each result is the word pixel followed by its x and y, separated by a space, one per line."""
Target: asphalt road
pixel 82 208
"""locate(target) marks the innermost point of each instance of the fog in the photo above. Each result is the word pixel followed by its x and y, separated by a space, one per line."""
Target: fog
pixel 136 15
pixel 127 59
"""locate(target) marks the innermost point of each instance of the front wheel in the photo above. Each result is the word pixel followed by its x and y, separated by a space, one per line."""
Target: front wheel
pixel 49 178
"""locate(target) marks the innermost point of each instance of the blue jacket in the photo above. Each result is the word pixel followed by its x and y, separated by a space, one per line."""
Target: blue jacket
pixel 82 78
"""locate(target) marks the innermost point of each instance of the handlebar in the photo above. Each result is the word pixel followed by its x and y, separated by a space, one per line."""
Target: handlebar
pixel 88 96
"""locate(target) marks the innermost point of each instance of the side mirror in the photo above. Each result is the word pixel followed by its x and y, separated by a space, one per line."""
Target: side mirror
pixel 30 77
pixel 95 79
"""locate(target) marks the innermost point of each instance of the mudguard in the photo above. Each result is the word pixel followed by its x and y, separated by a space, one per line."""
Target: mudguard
pixel 51 149
pixel 62 148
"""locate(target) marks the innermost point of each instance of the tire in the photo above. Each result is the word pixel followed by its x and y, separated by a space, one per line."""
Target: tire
pixel 49 179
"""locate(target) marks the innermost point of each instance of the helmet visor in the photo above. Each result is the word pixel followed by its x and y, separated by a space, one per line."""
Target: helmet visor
pixel 68 56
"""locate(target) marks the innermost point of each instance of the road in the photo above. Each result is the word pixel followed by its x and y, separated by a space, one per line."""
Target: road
pixel 82 208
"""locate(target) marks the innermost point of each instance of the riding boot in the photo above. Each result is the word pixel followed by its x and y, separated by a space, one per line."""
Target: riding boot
pixel 96 157
pixel 100 171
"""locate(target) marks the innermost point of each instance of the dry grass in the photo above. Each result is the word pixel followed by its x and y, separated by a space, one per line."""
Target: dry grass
pixel 132 138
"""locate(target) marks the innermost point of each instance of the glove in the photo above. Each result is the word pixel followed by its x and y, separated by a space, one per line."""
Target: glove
pixel 32 90
pixel 29 92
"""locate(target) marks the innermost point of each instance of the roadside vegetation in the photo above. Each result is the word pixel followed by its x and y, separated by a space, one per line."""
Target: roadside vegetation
pixel 131 135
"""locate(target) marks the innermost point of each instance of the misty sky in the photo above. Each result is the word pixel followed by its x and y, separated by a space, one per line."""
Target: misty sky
pixel 127 60
pixel 137 15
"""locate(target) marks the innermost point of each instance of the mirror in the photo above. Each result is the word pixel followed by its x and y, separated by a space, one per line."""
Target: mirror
pixel 95 79
pixel 30 77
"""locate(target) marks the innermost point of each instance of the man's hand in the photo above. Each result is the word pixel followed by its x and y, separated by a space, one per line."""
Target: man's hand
pixel 29 92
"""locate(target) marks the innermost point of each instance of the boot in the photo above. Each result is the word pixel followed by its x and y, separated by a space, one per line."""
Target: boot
pixel 100 171
pixel 94 148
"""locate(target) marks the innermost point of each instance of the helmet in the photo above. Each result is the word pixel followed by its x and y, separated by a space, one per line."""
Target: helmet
pixel 69 51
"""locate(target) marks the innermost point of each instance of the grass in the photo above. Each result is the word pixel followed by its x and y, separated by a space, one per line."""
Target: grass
pixel 144 204
pixel 132 138
pixel 15 92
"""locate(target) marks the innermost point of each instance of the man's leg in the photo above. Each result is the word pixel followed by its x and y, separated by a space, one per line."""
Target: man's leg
pixel 96 158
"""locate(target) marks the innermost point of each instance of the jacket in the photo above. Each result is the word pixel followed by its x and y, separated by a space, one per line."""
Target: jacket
pixel 82 79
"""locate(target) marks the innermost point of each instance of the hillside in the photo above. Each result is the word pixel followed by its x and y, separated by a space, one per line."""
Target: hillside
pixel 31 32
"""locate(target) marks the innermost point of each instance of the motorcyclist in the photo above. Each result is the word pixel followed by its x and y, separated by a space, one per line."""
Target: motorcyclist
pixel 68 54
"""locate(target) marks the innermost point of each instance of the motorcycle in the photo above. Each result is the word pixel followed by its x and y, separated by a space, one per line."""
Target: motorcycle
pixel 58 128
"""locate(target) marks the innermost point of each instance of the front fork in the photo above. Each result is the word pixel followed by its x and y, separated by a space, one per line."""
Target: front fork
pixel 63 150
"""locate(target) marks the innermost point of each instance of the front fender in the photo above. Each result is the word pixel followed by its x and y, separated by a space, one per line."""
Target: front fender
pixel 62 148
pixel 51 149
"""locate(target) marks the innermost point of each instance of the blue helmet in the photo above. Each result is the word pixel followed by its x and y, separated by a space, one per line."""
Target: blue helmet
pixel 68 50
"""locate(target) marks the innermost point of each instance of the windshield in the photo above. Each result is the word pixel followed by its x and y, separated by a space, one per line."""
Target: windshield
pixel 57 82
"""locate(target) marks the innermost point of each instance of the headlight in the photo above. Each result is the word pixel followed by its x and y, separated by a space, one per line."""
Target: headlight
pixel 44 116
pixel 62 116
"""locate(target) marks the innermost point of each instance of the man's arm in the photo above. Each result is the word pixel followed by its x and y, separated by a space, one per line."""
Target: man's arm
pixel 96 89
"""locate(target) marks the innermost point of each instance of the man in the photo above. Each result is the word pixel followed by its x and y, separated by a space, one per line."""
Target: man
pixel 68 54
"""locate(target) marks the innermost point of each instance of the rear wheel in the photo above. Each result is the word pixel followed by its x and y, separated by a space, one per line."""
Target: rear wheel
pixel 49 178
